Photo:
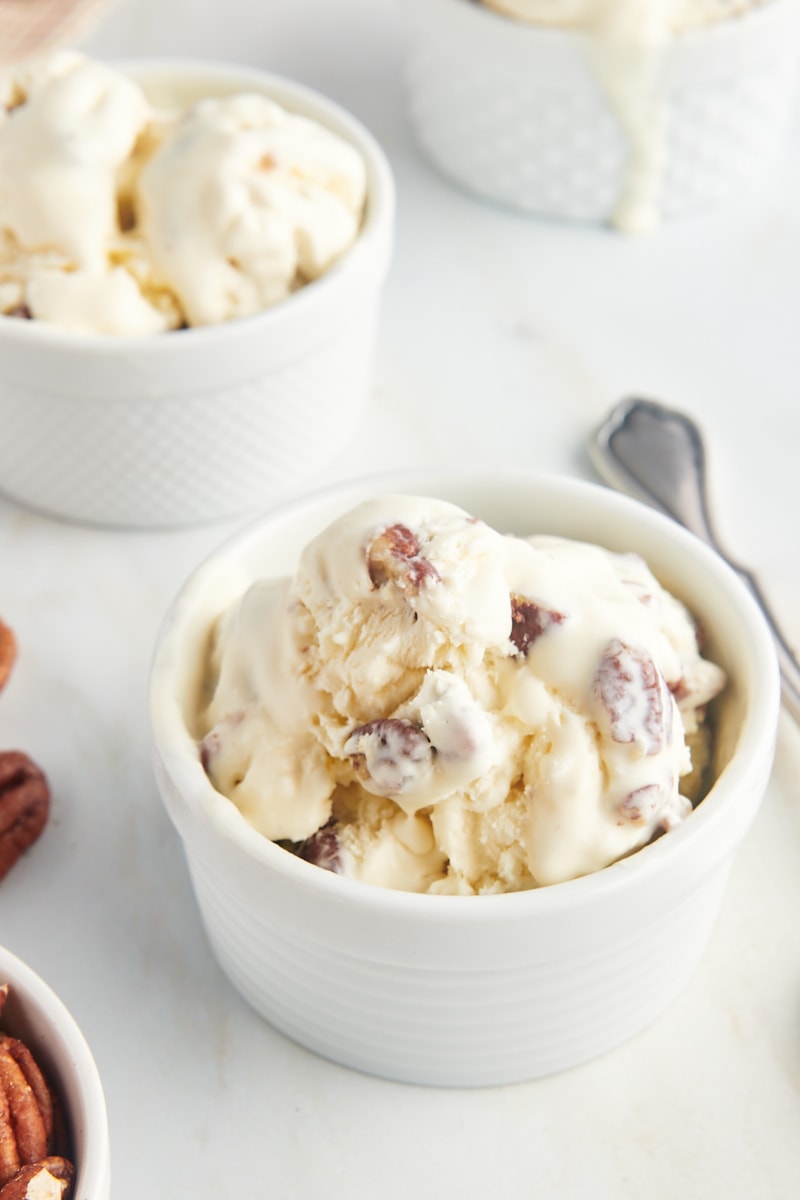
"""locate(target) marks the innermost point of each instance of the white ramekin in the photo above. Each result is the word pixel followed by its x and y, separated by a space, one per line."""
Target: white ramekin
pixel 208 423
pixel 38 1017
pixel 516 113
pixel 464 990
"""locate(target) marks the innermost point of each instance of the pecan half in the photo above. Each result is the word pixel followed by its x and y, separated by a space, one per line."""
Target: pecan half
pixel 34 1079
pixel 394 555
pixel 632 690
pixel 24 806
pixel 389 755
pixel 322 848
pixel 23 1135
pixel 8 652
pixel 640 804
pixel 49 1179
pixel 529 621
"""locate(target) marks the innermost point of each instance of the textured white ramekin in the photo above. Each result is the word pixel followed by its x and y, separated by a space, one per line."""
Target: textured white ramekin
pixel 208 423
pixel 35 1014
pixel 516 113
pixel 464 990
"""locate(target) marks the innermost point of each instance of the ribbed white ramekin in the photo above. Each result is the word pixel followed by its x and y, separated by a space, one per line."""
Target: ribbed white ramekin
pixel 519 115
pixel 200 424
pixel 464 990
pixel 38 1017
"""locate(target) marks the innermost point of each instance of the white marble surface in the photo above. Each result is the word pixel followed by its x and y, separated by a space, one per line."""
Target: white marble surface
pixel 502 341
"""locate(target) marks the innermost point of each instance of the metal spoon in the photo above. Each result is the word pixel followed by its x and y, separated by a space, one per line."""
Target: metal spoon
pixel 656 454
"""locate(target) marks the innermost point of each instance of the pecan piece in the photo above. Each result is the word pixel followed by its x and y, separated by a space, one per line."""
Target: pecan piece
pixel 33 1078
pixel 214 742
pixel 389 755
pixel 394 555
pixel 529 621
pixel 631 688
pixel 24 806
pixel 322 848
pixel 8 652
pixel 48 1179
pixel 641 804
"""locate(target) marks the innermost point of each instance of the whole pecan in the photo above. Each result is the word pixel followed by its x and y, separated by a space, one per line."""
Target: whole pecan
pixel 8 652
pixel 24 806
pixel 24 1133
pixel 634 694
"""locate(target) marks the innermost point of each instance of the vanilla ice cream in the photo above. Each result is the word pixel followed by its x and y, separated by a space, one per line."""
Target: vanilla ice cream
pixel 626 43
pixel 117 218
pixel 433 706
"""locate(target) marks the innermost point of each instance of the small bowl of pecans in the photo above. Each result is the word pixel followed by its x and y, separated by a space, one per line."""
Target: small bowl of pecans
pixel 53 1124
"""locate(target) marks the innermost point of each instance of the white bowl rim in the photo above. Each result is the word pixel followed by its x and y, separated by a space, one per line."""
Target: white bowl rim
pixel 379 216
pixel 755 741
pixel 93 1167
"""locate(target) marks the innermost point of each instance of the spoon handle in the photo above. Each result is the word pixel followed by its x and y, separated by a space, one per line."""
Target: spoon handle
pixel 656 454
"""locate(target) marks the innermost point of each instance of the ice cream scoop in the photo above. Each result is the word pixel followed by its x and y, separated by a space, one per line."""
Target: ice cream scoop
pixel 68 126
pixel 431 705
pixel 244 202
pixel 119 218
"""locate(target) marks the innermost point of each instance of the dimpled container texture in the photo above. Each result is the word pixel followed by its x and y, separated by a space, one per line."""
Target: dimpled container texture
pixel 468 990
pixel 514 112
pixel 208 423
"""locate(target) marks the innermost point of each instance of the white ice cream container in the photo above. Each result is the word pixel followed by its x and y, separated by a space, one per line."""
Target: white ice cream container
pixel 467 990
pixel 206 423
pixel 519 114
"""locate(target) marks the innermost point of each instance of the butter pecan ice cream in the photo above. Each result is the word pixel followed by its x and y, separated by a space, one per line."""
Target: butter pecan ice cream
pixel 120 218
pixel 430 705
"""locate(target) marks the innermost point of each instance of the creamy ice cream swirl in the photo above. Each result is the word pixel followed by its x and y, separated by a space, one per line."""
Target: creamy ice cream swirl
pixel 473 712
pixel 626 42
pixel 117 218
